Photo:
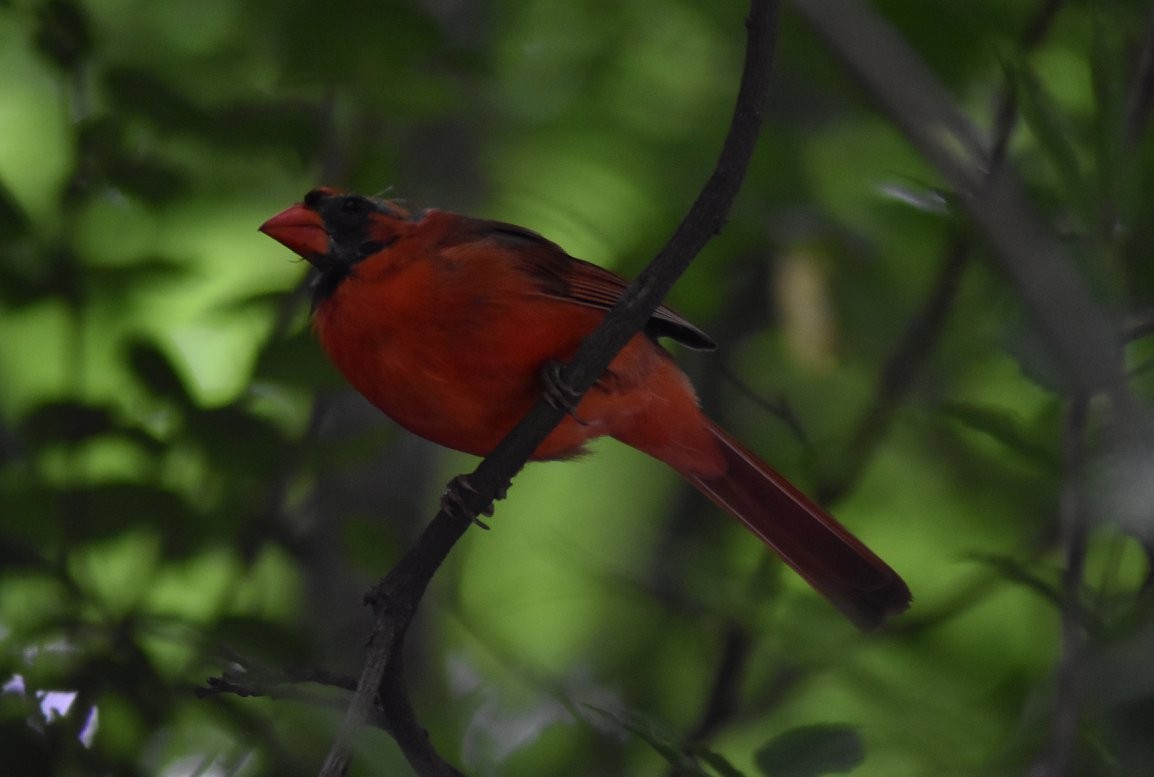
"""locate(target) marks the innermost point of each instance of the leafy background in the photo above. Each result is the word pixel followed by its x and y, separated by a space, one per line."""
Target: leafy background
pixel 184 481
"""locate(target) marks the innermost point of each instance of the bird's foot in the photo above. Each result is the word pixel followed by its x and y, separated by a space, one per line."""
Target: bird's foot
pixel 558 393
pixel 454 500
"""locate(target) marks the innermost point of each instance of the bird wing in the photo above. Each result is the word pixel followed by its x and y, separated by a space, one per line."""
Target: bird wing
pixel 560 275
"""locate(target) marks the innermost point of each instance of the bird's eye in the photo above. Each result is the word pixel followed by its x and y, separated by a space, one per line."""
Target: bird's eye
pixel 354 206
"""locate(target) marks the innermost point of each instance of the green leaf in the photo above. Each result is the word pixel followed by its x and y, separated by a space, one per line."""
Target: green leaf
pixel 245 126
pixel 811 751
pixel 114 283
pixel 63 33
pixel 18 555
pixel 146 177
pixel 66 421
pixel 137 91
pixel 1016 571
pixel 716 762
pixel 13 220
pixel 298 361
pixel 115 160
pixel 111 508
pixel 1006 428
pixel 658 736
pixel 238 441
pixel 1109 66
pixel 152 367
pixel 1055 137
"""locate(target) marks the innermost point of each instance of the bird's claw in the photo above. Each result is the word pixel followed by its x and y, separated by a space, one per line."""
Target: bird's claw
pixel 558 393
pixel 453 501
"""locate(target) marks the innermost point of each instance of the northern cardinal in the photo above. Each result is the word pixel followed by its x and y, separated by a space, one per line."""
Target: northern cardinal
pixel 446 324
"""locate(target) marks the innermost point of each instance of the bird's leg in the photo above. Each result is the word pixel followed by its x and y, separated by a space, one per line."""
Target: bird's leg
pixel 558 393
pixel 453 501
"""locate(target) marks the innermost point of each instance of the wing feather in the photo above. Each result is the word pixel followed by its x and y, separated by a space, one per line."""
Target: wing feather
pixel 576 280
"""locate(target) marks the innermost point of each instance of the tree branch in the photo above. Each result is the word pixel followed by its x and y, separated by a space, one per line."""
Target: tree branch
pixel 896 380
pixel 396 598
pixel 1058 760
pixel 926 327
pixel 1082 338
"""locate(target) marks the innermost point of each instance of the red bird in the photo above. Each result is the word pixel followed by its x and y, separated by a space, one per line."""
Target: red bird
pixel 446 324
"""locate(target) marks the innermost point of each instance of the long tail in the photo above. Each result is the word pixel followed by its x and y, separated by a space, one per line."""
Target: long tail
pixel 832 560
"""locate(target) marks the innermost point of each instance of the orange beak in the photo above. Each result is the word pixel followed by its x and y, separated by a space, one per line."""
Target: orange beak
pixel 299 229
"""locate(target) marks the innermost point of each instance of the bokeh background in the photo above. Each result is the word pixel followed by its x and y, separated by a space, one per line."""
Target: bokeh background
pixel 185 484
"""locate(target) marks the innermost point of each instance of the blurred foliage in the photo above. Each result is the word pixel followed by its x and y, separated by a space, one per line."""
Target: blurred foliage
pixel 184 479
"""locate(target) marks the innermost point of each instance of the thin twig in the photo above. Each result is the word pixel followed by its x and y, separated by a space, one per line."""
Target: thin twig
pixel 897 379
pixel 778 406
pixel 1058 760
pixel 1082 338
pixel 928 324
pixel 396 597
pixel 900 371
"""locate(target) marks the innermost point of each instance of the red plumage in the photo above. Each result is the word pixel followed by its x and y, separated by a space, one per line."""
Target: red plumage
pixel 446 322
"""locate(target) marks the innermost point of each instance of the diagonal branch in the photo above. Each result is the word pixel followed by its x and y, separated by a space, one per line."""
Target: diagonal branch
pixel 895 382
pixel 396 597
pixel 1082 337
